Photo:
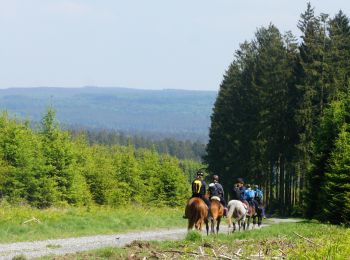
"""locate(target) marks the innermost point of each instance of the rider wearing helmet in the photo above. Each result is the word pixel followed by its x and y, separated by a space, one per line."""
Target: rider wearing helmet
pixel 199 190
pixel 216 189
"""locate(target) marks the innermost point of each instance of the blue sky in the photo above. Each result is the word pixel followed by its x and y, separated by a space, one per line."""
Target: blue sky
pixel 148 44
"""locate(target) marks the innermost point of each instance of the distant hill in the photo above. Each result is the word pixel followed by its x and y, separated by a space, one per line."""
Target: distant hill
pixel 156 114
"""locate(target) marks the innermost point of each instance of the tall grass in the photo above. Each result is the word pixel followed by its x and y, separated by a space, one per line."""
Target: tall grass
pixel 28 224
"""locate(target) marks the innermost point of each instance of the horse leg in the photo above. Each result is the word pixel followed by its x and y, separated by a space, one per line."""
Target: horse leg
pixel 229 225
pixel 229 218
pixel 207 226
pixel 199 224
pixel 259 218
pixel 254 221
pixel 218 225
pixel 243 221
pixel 212 225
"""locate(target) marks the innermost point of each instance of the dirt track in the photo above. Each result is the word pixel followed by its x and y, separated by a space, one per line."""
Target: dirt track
pixel 73 245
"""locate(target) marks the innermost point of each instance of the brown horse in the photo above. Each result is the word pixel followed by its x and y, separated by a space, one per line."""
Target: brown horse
pixel 197 214
pixel 251 214
pixel 217 211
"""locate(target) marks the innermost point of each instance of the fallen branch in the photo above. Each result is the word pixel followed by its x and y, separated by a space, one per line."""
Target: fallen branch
pixel 283 253
pixel 32 219
pixel 238 253
pixel 307 239
pixel 182 253
pixel 225 257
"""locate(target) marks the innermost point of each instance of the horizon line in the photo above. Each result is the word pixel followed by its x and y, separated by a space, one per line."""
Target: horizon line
pixel 104 87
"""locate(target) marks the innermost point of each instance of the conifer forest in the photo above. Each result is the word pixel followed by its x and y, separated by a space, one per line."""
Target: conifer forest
pixel 282 118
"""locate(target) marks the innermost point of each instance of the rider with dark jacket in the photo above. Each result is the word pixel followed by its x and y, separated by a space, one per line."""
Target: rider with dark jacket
pixel 199 190
pixel 235 193
pixel 240 184
pixel 216 189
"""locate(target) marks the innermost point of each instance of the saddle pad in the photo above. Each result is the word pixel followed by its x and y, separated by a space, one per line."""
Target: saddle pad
pixel 215 198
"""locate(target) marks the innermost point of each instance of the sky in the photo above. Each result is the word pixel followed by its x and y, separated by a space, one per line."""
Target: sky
pixel 145 44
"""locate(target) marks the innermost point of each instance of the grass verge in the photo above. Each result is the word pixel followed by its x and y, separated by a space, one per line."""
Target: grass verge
pixel 29 224
pixel 288 240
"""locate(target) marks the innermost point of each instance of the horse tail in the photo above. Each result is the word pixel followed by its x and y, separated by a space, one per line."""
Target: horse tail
pixel 194 214
pixel 229 214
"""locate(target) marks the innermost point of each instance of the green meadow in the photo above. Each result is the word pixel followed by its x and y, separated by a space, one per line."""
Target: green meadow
pixel 29 224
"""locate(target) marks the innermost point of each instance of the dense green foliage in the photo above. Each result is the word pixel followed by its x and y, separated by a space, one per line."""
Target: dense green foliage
pixel 156 114
pixel 45 168
pixel 281 118
pixel 180 149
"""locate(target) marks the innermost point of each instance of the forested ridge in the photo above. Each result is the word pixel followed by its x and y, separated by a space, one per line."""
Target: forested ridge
pixel 154 114
pixel 193 150
pixel 282 118
pixel 47 167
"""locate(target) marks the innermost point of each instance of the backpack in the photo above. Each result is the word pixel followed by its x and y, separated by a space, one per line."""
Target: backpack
pixel 196 186
pixel 250 194
pixel 259 195
pixel 213 190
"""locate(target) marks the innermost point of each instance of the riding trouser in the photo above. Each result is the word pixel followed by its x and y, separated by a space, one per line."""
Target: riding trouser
pixel 223 201
pixel 253 203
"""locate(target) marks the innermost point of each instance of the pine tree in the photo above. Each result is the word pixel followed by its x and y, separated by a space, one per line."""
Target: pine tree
pixel 325 143
pixel 339 56
pixel 336 206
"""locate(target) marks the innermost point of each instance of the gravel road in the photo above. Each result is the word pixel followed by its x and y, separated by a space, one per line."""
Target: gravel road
pixel 72 245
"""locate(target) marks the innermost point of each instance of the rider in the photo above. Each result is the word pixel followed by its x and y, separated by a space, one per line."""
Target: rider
pixel 235 192
pixel 216 189
pixel 199 190
pixel 240 184
pixel 258 194
pixel 259 197
pixel 250 195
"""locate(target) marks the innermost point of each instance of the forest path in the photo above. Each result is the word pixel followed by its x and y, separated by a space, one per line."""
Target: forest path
pixel 72 245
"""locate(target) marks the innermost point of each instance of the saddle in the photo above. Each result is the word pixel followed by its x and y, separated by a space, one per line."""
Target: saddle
pixel 215 198
pixel 246 205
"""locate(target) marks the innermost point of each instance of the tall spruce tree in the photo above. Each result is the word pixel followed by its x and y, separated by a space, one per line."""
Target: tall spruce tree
pixel 311 90
pixel 339 56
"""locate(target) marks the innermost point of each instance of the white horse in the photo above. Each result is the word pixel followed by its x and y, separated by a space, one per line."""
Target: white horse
pixel 236 210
